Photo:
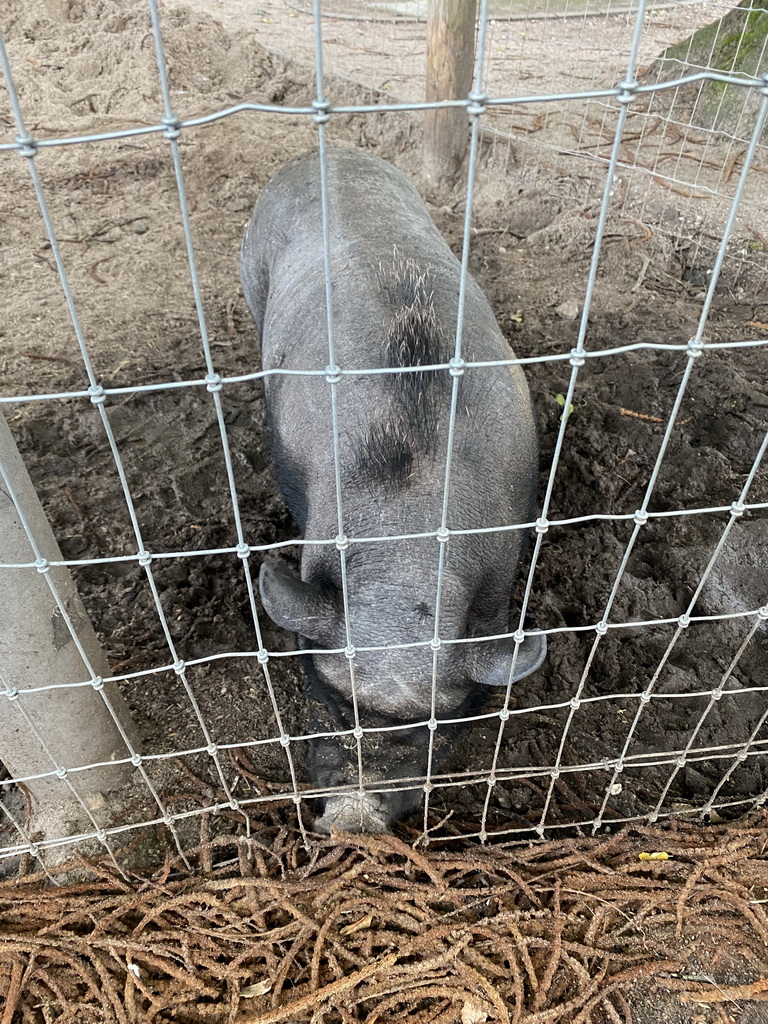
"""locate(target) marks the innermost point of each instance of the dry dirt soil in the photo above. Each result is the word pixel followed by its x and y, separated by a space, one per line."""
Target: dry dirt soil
pixel 86 65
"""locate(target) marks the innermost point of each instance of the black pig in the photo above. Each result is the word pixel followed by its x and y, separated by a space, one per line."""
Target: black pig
pixel 395 290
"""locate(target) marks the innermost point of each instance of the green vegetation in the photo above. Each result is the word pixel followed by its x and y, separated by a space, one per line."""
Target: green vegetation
pixel 734 45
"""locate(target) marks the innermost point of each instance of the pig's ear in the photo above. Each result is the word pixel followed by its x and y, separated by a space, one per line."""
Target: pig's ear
pixel 300 607
pixel 490 663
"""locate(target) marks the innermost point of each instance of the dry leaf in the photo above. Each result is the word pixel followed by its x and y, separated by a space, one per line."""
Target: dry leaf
pixel 358 926
pixel 473 1013
pixel 259 989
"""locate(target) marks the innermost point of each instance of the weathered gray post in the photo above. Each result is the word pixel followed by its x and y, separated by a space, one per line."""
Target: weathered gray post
pixel 65 727
pixel 450 61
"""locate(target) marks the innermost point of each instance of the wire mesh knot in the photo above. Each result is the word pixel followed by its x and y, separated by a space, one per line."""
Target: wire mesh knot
pixel 627 91
pixel 33 850
pixel 173 127
pixel 504 714
pixel 762 613
pixel 262 657
pixel 42 566
pixel 61 773
pixel 284 740
pixel 601 628
pixel 574 703
pixel 357 732
pixel 212 382
pixel 432 724
pixel 645 697
pixel 349 651
pixel 577 358
pixel 542 525
pixel 442 535
pixel 242 550
pixel 321 111
pixel 11 693
pixel 456 366
pixel 435 643
pixel 178 667
pixel 342 542
pixel 211 749
pixel 144 559
pixel 763 90
pixel 737 509
pixel 695 348
pixel 101 835
pixel 478 104
pixel 518 636
pixel 640 517
pixel 27 147
pixel 136 760
pixel 98 396
pixel 684 621
pixel 332 374
pixel 717 693
pixel 97 683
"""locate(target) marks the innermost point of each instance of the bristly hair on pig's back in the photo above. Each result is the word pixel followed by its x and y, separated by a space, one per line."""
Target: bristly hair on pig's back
pixel 414 337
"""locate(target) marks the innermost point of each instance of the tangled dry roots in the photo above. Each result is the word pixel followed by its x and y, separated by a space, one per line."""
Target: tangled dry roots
pixel 368 929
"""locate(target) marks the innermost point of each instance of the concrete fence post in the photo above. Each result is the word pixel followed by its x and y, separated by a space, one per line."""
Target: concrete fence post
pixel 69 726
pixel 450 64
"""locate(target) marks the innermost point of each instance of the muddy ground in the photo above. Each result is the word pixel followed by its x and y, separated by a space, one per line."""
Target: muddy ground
pixel 116 212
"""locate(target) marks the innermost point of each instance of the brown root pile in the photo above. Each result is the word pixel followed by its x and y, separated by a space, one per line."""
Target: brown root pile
pixel 364 928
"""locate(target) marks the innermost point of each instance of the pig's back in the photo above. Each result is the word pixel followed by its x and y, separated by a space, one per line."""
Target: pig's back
pixel 377 223
pixel 381 236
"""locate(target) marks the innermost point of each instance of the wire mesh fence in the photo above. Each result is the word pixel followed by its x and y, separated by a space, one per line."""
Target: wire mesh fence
pixel 631 576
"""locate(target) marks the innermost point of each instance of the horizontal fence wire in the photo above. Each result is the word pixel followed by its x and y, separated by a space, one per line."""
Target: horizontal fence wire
pixel 617 105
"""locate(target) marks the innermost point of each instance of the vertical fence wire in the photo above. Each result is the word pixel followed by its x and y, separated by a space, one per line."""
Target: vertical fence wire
pixel 744 752
pixel 321 116
pixel 214 387
pixel 475 110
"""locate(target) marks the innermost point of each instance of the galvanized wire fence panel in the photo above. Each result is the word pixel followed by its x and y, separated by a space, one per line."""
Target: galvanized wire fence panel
pixel 736 187
pixel 671 147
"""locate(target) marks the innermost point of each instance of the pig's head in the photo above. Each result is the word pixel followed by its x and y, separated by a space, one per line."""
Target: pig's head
pixel 393 687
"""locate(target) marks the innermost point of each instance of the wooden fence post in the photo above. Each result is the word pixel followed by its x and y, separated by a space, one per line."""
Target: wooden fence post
pixel 37 650
pixel 450 62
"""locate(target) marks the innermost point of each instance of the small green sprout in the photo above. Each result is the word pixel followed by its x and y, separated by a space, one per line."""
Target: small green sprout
pixel 560 399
